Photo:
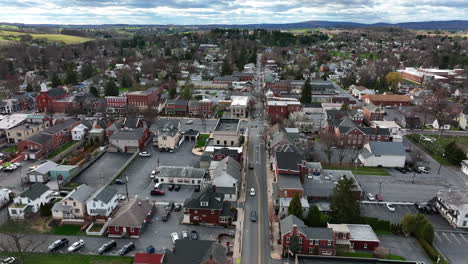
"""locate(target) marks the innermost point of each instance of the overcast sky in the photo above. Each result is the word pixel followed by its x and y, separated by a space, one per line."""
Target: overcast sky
pixel 228 11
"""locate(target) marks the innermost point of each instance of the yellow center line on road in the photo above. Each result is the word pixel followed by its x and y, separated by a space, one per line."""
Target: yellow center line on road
pixel 259 219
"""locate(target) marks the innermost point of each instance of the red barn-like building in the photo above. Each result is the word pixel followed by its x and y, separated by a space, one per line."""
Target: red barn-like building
pixel 131 219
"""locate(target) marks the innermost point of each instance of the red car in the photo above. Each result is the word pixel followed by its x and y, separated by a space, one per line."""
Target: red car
pixel 157 192
pixel 378 197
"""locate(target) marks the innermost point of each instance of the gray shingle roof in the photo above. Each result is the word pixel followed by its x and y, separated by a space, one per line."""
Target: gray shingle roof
pixel 196 252
pixel 215 200
pixel 59 126
pixel 288 160
pixel 105 194
pixel 181 172
pixel 35 191
pixel 286 181
pixel 45 167
pixel 287 223
pixel 132 214
pixel 82 193
pixel 228 167
pixel 40 138
pixel 387 148
pixel 135 134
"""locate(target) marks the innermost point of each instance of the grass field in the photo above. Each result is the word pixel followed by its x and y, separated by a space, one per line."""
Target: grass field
pixel 368 255
pixel 361 170
pixel 201 141
pixel 67 230
pixel 11 149
pixel 436 149
pixel 37 258
pixel 67 39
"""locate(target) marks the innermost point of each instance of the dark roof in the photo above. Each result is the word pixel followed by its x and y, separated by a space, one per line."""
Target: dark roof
pixel 35 191
pixel 387 148
pixel 134 134
pixel 287 181
pixel 215 200
pixel 225 151
pixel 288 160
pixel 59 126
pixel 82 193
pixel 177 102
pixel 131 122
pixel 56 92
pixel 132 214
pixel 197 252
pixel 40 138
pixel 228 124
pixel 321 233
pixel 334 114
pixel 227 78
pixel 105 194
pixel 191 132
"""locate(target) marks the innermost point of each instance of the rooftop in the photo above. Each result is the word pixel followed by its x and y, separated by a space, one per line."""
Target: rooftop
pixel 239 101
pixel 132 214
pixel 225 124
pixel 322 185
pixel 12 120
pixel 286 181
pixel 454 198
pixel 181 172
pixel 387 148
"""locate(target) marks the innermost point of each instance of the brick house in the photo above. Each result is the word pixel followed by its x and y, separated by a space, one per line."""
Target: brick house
pixel 281 86
pixel 373 113
pixel 282 109
pixel 350 134
pixel 202 107
pixel 313 240
pixel 355 237
pixel 207 207
pixel 116 102
pixel 244 76
pixel 47 96
pixel 143 99
pixel 131 219
pixel 221 153
pixel 387 99
pixel 288 172
pixel 176 107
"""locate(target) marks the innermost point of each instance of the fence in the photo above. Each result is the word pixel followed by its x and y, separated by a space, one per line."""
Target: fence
pixel 65 153
pixel 124 167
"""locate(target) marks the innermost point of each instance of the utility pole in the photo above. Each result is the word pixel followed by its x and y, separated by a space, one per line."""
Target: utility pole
pixel 380 188
pixel 126 187
pixel 440 164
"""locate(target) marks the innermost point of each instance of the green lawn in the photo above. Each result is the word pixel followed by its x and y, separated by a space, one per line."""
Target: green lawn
pixel 11 149
pixel 67 39
pixel 360 170
pixel 367 255
pixel 436 149
pixel 60 149
pixel 67 230
pixel 37 258
pixel 201 141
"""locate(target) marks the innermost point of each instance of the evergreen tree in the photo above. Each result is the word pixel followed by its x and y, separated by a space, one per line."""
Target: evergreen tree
pixel 343 204
pixel 71 76
pixel 295 206
pixel 172 92
pixel 314 217
pixel 294 245
pixel 186 92
pixel 111 89
pixel 55 80
pixel 94 91
pixel 306 94
pixel 242 59
pixel 453 153
pixel 87 71
pixel 126 81
pixel 226 69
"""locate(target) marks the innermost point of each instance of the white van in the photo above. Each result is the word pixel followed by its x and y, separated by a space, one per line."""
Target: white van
pixel 157 186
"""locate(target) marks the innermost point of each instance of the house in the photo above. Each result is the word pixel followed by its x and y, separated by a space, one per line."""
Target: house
pixel 464 166
pixel 176 107
pixel 103 202
pixel 387 99
pixel 5 196
pixel 221 153
pixel 463 121
pixel 47 96
pixel 79 132
pixel 62 172
pixel 348 133
pixel 441 124
pixel 131 219
pixel 148 258
pixel 373 112
pixel 32 126
pixel 181 175
pixel 197 251
pixel 453 206
pixel 42 172
pixel 359 91
pixel 128 140
pixel 284 206
pixel 29 201
pixel 313 240
pixel 48 139
pixel 226 132
pixel 319 185
pixel 73 206
pixel 167 133
pixel 383 154
pixel 394 128
pixel 239 106
pixel 280 109
pixel 207 207
pixel 226 176
pixel 355 237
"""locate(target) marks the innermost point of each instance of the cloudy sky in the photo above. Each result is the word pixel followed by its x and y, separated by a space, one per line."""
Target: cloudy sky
pixel 228 11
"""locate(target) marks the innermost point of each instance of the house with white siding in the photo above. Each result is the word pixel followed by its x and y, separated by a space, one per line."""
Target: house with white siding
pixel 103 202
pixel 30 201
pixel 383 154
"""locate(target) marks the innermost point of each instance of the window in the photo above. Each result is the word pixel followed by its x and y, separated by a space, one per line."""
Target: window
pixel 317 242
pixel 464 223
pixel 300 240
pixel 13 211
pixel 74 203
pixel 365 245
pixel 311 250
pixel 466 215
pixel 288 239
pixel 132 229
pixel 377 156
pixel 329 243
pixel 77 210
pixel 351 245
pixel 116 228
pixel 212 211
pixel 195 212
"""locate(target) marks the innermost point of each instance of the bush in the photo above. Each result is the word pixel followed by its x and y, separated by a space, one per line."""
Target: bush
pixel 430 251
pixel 377 224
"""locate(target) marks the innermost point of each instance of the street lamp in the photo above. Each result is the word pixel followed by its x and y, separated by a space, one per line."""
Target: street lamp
pixel 440 164
pixel 380 189
pixel 126 187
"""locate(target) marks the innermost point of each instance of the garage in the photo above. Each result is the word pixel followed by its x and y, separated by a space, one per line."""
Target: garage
pixel 191 135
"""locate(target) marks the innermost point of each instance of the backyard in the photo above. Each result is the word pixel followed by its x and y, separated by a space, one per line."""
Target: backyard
pixel 60 149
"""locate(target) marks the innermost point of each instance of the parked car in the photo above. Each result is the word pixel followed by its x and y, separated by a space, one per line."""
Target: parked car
pixel 58 244
pixel 423 169
pixel 378 197
pixel 252 192
pixel 402 170
pixel 253 216
pixel 370 197
pixel 171 187
pixel 174 237
pixel 169 207
pixel 194 235
pixel 197 188
pixel 420 208
pixel 144 154
pixel 121 197
pixel 17 164
pixel 251 166
pixel 153 174
pixel 107 247
pixel 185 234
pixel 10 260
pixel 119 181
pixel 157 192
pixel 429 139
pixel 166 216
pixel 178 208
pixel 390 207
pixel 177 188
pixel 189 122
pixel 126 248
pixel 75 246
pixel 157 186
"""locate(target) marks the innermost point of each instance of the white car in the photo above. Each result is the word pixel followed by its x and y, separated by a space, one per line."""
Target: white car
pixel 144 154
pixel 17 164
pixel 390 207
pixel 121 197
pixel 252 192
pixel 75 246
pixel 190 122
pixel 429 139
pixel 157 186
pixel 370 197
pixel 153 174
pixel 174 237
pixel 423 169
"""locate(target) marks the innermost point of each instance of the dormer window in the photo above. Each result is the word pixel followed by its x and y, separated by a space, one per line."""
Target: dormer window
pixel 204 203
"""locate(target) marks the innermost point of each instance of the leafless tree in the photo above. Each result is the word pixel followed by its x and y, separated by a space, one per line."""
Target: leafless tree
pixel 20 243
pixel 329 140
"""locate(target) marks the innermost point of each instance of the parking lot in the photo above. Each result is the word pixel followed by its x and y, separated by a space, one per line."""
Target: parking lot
pixel 379 210
pixel 453 245
pixel 407 247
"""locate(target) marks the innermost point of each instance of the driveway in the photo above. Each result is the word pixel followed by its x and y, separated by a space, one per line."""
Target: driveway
pixel 12 179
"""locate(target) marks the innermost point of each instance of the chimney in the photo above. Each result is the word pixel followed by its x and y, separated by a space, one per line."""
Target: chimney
pixel 294 229
pixel 214 188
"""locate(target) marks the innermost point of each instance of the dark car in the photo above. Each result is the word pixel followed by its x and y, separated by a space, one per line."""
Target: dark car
pixel 253 216
pixel 107 247
pixel 170 206
pixel 127 248
pixel 119 181
pixel 197 188
pixel 171 187
pixel 177 188
pixel 402 170
pixel 178 207
pixel 194 235
pixel 420 208
pixel 378 197
pixel 251 166
pixel 166 216
pixel 58 244
pixel 157 192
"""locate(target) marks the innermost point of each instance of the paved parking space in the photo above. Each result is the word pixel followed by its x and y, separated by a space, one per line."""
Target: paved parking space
pixel 381 212
pixel 101 171
pixel 407 247
pixel 452 245
pixel 12 179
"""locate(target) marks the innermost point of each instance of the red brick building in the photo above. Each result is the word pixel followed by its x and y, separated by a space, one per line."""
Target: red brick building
pixel 387 99
pixel 282 109
pixel 207 208
pixel 281 86
pixel 289 169
pixel 350 134
pixel 355 237
pixel 131 219
pixel 176 107
pixel 143 99
pixel 373 113
pixel 116 101
pixel 47 96
pixel 312 240
pixel 202 107
pixel 244 76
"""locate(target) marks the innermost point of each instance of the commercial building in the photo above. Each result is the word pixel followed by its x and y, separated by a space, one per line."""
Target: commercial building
pixel 387 99
pixel 239 106
pixel 453 206
pixel 226 132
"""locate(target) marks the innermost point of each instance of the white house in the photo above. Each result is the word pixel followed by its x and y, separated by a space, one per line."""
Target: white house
pixel 4 196
pixel 226 177
pixel 181 175
pixel 79 132
pixel 440 124
pixel 359 91
pixel 284 205
pixel 464 166
pixel 103 202
pixel 73 206
pixel 453 206
pixel 239 106
pixel 29 201
pixel 383 154
pixel 463 121
pixel 394 128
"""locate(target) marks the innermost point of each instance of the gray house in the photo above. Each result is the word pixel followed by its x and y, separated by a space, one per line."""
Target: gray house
pixel 226 176
pixel 41 173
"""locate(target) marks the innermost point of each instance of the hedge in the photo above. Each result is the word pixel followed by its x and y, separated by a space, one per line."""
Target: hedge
pixel 382 225
pixel 431 252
